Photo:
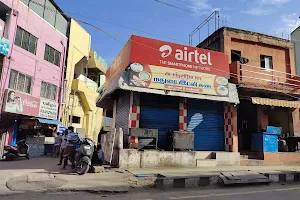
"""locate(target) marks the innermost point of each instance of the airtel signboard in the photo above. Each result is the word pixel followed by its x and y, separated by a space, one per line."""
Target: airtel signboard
pixel 166 54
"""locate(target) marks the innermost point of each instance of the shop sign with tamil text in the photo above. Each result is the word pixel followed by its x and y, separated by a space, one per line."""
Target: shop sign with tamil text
pixel 48 109
pixel 157 77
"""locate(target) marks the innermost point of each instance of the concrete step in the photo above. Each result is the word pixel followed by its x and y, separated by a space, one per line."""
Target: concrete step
pixel 244 156
pixel 205 155
pixel 251 162
pixel 206 163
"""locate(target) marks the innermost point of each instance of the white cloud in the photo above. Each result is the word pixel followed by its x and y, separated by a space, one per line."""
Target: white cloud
pixel 200 5
pixel 263 7
pixel 288 23
pixel 216 9
pixel 274 2
pixel 259 11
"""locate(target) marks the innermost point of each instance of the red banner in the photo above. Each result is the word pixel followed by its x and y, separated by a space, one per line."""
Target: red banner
pixel 17 102
pixel 166 54
pixel 20 103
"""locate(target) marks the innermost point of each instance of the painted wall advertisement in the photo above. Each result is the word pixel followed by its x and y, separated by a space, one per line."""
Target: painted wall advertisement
pixel 20 103
pixel 157 77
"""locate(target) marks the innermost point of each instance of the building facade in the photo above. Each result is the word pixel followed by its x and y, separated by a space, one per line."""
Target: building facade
pixel 295 36
pixel 264 70
pixel 156 88
pixel 85 73
pixel 32 65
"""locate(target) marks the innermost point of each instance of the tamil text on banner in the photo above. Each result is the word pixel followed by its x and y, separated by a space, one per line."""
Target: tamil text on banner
pixel 48 109
pixel 157 77
pixel 19 103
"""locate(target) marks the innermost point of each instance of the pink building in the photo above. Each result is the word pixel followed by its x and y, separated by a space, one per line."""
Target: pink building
pixel 33 51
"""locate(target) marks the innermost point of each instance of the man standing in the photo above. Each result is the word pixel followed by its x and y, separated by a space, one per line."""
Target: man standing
pixel 70 149
pixel 63 146
pixel 57 143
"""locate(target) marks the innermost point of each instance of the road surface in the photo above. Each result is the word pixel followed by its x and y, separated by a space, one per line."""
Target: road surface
pixel 274 192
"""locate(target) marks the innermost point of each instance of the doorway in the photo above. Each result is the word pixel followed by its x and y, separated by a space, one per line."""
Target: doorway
pixel 247 124
pixel 281 117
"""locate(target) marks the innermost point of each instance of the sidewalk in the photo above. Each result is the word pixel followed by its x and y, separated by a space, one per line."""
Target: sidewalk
pixel 18 174
pixel 42 174
pixel 197 177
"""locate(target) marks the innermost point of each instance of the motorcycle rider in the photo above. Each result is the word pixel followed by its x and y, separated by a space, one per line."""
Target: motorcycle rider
pixel 70 150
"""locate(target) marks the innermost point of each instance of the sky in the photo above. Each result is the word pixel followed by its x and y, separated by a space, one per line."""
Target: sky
pixel 150 18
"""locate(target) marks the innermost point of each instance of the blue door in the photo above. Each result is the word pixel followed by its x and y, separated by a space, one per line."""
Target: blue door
pixel 162 113
pixel 206 120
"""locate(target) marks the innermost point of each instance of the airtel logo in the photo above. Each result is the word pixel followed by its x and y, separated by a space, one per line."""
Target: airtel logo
pixel 185 55
pixel 166 51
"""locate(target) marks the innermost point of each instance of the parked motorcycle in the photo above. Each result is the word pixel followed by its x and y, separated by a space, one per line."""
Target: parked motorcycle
pixel 83 156
pixel 19 151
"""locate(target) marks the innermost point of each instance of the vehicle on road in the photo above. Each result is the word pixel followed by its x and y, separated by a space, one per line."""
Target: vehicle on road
pixel 83 156
pixel 19 151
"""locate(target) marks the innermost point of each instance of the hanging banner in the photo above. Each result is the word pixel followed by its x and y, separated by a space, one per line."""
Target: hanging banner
pixel 157 77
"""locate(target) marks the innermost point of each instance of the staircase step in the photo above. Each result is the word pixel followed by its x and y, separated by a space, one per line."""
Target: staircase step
pixel 206 163
pixel 251 162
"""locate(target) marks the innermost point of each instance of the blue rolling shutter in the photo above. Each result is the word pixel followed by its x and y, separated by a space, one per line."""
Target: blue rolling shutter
pixel 160 112
pixel 209 134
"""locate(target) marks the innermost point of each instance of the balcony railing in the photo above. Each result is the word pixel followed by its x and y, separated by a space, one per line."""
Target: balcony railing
pixel 268 79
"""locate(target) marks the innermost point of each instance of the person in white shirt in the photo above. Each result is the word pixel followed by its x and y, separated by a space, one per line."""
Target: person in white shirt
pixel 57 144
pixel 70 149
pixel 63 146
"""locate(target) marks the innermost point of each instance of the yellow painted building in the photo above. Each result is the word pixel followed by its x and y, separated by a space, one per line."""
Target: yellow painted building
pixel 85 73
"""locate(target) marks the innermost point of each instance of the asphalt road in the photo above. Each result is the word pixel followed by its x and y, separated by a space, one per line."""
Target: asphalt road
pixel 275 192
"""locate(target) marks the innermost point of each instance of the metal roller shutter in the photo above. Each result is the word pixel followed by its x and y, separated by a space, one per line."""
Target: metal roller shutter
pixel 206 120
pixel 160 112
pixel 122 118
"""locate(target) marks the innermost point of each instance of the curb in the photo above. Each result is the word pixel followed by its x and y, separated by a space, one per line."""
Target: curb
pixel 200 181
pixel 186 182
pixel 282 177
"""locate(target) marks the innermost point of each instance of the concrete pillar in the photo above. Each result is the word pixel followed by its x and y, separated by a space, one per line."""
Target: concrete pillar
pixel 230 128
pixel 296 121
pixel 262 117
pixel 183 114
pixel 135 110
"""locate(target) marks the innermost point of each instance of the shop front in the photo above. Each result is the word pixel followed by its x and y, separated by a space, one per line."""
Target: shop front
pixel 259 114
pixel 31 119
pixel 173 90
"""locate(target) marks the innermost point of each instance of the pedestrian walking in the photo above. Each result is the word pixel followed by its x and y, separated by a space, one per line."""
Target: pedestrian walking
pixel 57 143
pixel 63 146
pixel 70 150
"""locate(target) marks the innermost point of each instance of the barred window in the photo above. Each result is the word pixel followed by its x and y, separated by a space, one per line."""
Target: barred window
pixel 52 55
pixel 20 82
pixel 25 40
pixel 48 90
